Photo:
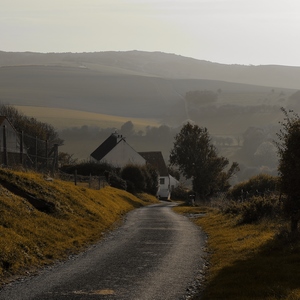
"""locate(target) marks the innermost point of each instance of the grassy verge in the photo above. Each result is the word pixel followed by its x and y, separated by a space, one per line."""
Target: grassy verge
pixel 42 221
pixel 251 261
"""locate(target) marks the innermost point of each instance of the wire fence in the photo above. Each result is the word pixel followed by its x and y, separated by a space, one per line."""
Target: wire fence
pixel 92 182
pixel 21 149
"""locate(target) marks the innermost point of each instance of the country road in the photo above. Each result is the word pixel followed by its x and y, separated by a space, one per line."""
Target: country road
pixel 156 254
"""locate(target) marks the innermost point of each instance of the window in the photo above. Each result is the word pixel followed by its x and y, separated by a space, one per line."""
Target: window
pixel 162 180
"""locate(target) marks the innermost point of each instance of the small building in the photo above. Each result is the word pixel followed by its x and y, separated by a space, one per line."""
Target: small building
pixel 155 158
pixel 117 152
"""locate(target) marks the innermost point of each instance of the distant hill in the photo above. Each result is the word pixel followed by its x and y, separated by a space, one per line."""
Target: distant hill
pixel 162 65
pixel 130 84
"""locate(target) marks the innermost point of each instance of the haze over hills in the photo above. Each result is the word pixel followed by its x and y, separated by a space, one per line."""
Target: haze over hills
pixel 162 65
pixel 88 92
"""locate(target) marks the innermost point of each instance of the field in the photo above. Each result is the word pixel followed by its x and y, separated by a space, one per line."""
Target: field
pixel 64 118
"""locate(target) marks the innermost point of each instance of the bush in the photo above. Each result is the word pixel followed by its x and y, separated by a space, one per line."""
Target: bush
pixel 255 209
pixel 117 182
pixel 88 168
pixel 259 185
pixel 179 193
pixel 151 179
pixel 134 174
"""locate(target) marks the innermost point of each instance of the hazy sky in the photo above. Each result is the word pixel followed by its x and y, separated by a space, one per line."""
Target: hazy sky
pixel 226 31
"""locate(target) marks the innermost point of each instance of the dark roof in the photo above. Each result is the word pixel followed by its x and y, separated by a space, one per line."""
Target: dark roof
pixel 106 146
pixel 156 159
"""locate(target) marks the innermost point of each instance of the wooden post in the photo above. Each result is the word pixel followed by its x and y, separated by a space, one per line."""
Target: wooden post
pixel 5 156
pixel 55 158
pixel 75 177
pixel 21 147
pixel 46 153
pixel 36 152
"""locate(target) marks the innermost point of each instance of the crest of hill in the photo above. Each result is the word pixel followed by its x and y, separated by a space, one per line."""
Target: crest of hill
pixel 161 65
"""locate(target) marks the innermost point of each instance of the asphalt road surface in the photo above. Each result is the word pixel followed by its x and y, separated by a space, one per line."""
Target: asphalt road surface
pixel 155 255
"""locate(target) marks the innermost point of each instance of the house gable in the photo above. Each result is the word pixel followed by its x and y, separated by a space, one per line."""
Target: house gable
pixel 105 147
pixel 115 151
pixel 156 159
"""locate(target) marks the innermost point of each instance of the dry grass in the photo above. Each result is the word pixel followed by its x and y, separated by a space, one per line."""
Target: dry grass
pixel 248 261
pixel 64 118
pixel 30 238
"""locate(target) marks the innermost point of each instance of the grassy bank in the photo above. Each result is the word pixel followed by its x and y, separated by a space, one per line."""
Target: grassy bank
pixel 43 221
pixel 250 261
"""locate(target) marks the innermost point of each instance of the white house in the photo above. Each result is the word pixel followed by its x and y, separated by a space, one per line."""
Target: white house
pixel 117 152
pixel 156 159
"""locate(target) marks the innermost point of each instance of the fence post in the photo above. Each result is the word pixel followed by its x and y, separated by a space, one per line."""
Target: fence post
pixel 36 152
pixel 75 177
pixel 46 142
pixel 21 147
pixel 5 156
pixel 55 158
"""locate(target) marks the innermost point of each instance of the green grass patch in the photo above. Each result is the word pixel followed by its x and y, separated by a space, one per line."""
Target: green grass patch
pixel 30 238
pixel 248 261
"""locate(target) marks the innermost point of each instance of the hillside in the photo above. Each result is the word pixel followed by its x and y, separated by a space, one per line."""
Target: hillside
pixel 162 65
pixel 86 96
pixel 45 221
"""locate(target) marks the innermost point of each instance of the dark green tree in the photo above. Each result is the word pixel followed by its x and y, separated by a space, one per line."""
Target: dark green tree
pixel 289 166
pixel 197 159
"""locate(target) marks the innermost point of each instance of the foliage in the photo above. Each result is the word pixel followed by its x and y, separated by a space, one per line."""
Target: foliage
pixel 140 178
pixel 117 182
pixel 255 208
pixel 39 138
pixel 65 158
pixel 180 193
pixel 151 179
pixel 87 168
pixel 289 166
pixel 197 158
pixel 258 185
pixel 134 174
pixel 173 172
pixel 29 125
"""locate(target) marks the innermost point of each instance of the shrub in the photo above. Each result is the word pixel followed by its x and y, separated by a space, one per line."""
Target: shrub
pixel 259 185
pixel 151 179
pixel 117 182
pixel 255 208
pixel 87 168
pixel 179 193
pixel 134 174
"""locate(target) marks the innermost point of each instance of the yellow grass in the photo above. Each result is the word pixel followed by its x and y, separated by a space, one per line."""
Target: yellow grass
pixel 248 261
pixel 62 118
pixel 30 238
